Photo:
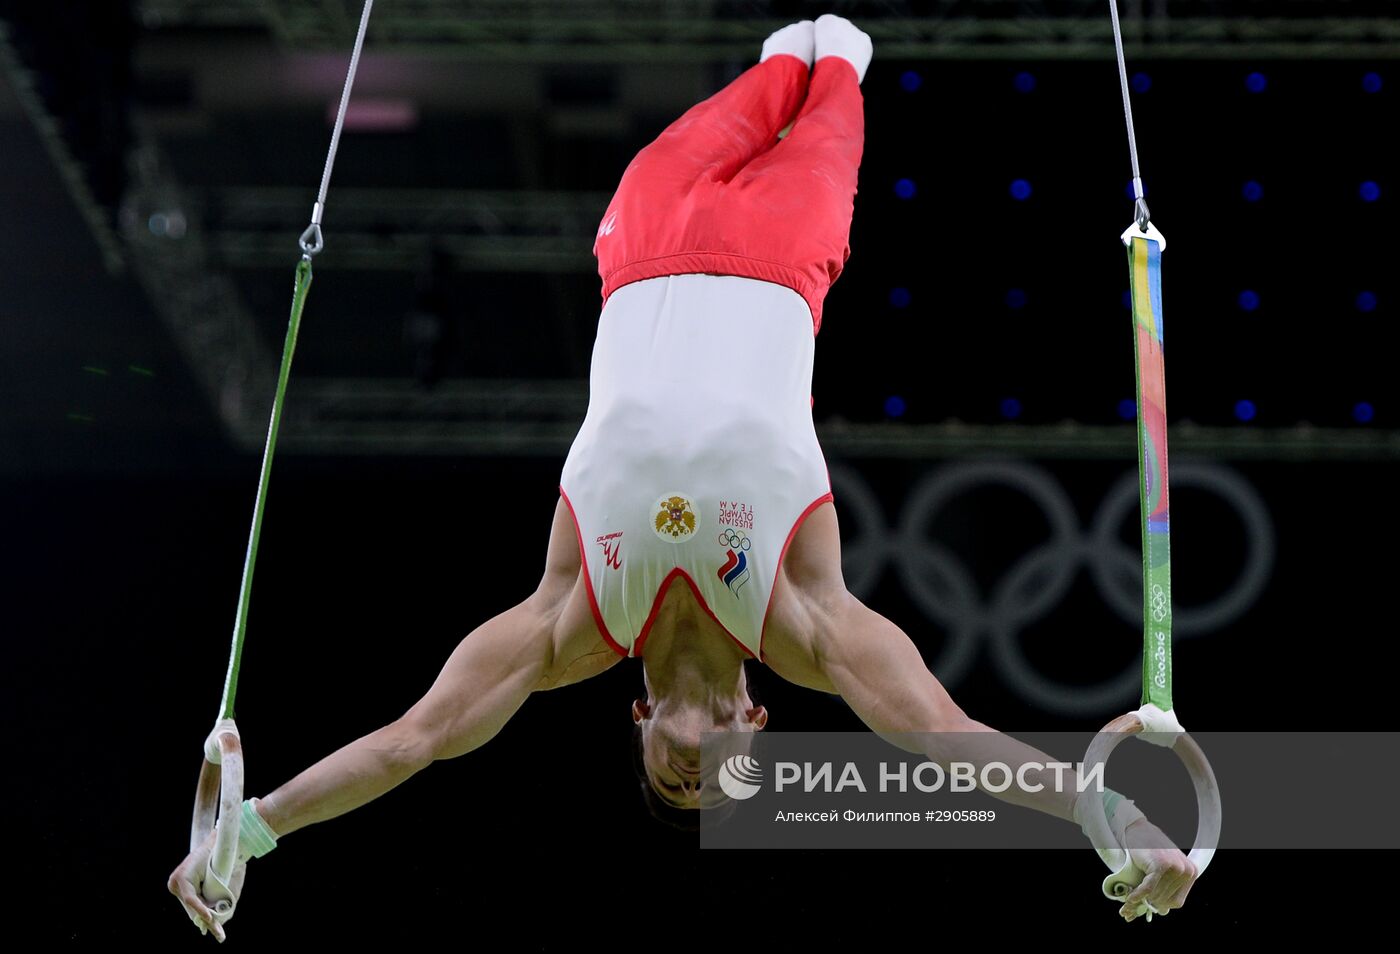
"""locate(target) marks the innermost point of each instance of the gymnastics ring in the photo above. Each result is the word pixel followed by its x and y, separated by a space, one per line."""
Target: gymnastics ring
pixel 1126 875
pixel 218 807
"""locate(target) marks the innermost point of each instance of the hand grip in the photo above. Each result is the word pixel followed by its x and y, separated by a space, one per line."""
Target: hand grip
pixel 1126 875
pixel 218 806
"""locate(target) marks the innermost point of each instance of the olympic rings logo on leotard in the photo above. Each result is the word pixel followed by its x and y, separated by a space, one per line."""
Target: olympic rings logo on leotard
pixel 734 539
pixel 942 586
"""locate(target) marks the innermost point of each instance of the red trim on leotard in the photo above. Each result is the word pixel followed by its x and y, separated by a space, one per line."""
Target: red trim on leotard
pixel 824 498
pixel 592 597
pixel 656 608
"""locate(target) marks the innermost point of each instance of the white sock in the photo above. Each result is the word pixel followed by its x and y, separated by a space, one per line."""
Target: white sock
pixel 837 36
pixel 795 39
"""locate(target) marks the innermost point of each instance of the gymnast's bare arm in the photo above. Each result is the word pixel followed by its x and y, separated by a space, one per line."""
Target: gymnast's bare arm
pixel 547 641
pixel 821 636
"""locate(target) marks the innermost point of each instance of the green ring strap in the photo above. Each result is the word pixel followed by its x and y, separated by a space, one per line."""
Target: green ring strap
pixel 240 625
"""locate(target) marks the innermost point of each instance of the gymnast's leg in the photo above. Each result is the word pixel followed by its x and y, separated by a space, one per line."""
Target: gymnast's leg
pixel 828 137
pixel 804 188
pixel 717 137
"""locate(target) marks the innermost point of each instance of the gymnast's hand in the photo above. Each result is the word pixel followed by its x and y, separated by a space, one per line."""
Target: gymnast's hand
pixel 187 882
pixel 1168 874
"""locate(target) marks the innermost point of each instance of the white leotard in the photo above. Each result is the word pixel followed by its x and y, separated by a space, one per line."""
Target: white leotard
pixel 697 457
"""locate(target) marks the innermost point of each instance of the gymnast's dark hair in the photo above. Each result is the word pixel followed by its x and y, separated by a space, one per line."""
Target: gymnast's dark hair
pixel 683 819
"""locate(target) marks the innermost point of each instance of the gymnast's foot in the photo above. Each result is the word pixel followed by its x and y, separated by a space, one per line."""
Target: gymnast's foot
pixel 796 39
pixel 837 36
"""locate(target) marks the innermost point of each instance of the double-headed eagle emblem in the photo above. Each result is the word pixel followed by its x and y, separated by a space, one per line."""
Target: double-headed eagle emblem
pixel 675 519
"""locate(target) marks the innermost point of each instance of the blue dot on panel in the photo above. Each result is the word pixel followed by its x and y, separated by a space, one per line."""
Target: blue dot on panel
pixel 1372 82
pixel 900 297
pixel 1010 408
pixel 1253 191
pixel 1024 82
pixel 1256 82
pixel 1020 190
pixel 904 188
pixel 1016 299
pixel 1366 301
pixel 1245 410
pixel 1364 413
pixel 1370 191
pixel 911 81
pixel 1141 82
pixel 1127 409
pixel 895 406
pixel 1249 300
pixel 1128 298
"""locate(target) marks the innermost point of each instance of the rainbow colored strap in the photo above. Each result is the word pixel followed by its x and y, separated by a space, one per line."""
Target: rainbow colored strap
pixel 1145 263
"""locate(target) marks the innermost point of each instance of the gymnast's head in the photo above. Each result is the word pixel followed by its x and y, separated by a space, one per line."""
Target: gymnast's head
pixel 669 729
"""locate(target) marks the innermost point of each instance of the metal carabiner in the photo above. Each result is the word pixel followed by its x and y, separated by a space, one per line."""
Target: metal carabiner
pixel 311 240
pixel 1144 217
pixel 1142 227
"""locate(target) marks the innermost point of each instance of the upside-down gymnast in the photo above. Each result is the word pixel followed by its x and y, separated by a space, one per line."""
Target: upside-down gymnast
pixel 717 249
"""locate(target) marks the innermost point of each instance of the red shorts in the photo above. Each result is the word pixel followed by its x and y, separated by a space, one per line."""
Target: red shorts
pixel 718 193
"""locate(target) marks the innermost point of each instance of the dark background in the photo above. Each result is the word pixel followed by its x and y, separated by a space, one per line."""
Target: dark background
pixel 135 364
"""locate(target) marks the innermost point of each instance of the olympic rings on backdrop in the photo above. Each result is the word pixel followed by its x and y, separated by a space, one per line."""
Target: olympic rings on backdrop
pixel 734 540
pixel 941 585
